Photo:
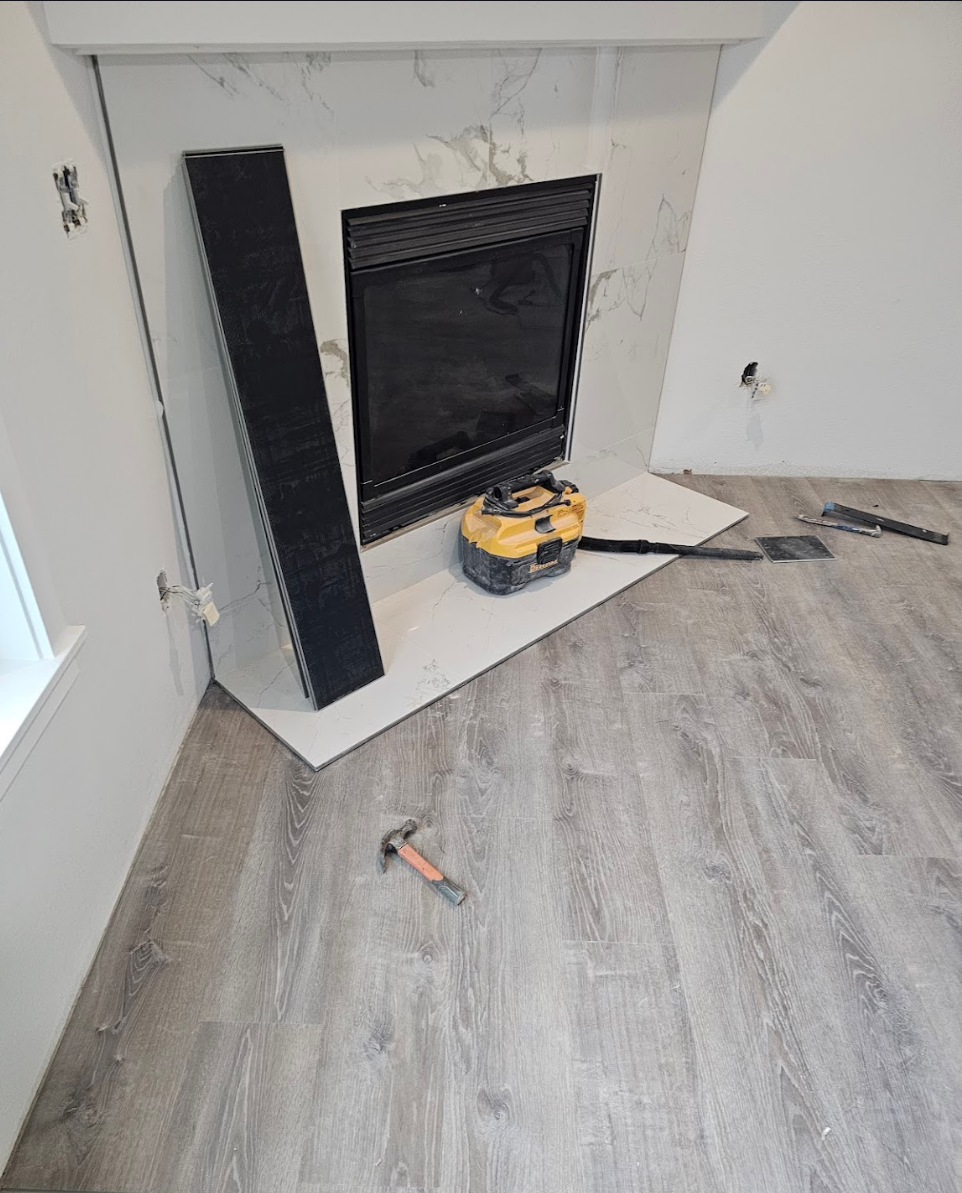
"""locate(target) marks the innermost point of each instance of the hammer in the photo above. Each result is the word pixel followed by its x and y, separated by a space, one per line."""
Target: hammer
pixel 396 842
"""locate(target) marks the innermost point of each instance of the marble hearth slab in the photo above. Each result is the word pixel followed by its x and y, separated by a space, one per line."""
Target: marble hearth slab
pixel 442 632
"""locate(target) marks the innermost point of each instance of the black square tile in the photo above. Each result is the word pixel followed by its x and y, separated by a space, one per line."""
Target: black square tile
pixel 794 548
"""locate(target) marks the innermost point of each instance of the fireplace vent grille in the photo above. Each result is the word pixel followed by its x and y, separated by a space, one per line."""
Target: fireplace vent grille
pixel 394 233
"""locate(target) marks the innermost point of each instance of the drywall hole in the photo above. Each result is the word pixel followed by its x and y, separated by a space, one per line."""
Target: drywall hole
pixel 73 206
pixel 758 387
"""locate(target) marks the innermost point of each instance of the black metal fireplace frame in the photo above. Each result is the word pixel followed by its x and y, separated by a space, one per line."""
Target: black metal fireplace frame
pixel 393 234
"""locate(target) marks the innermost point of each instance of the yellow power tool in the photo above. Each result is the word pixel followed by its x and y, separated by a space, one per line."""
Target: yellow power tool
pixel 521 529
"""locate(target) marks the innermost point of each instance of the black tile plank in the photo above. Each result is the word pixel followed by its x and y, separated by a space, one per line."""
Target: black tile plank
pixel 245 221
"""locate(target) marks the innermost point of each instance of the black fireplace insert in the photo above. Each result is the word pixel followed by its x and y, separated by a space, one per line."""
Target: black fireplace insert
pixel 464 316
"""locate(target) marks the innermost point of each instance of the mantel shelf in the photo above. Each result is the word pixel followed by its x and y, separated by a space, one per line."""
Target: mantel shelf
pixel 102 27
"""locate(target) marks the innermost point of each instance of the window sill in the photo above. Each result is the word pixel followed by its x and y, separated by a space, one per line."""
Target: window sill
pixel 30 694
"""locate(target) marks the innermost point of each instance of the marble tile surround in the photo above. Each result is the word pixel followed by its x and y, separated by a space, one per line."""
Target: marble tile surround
pixel 361 129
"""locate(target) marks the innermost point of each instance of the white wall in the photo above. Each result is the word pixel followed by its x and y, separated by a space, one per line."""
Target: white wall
pixel 78 411
pixel 826 243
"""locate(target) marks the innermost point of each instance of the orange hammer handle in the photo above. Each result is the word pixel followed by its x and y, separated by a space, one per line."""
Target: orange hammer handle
pixel 421 864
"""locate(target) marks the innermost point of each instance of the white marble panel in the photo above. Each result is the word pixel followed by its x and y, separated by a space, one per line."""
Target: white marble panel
pixel 411 125
pixel 441 632
pixel 627 332
pixel 401 561
pixel 609 467
pixel 540 122
pixel 652 154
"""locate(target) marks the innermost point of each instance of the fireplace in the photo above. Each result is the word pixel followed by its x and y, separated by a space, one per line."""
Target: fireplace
pixel 464 316
pixel 408 127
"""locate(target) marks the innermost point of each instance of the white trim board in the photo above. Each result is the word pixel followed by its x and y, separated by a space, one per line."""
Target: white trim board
pixel 30 694
pixel 442 632
pixel 247 26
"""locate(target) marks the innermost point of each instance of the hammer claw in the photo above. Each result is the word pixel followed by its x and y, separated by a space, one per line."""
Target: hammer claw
pixel 386 846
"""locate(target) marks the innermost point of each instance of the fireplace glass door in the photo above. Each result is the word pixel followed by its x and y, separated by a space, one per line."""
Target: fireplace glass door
pixel 464 317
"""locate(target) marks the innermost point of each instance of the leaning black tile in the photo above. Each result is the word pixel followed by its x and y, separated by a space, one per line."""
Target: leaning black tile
pixel 245 220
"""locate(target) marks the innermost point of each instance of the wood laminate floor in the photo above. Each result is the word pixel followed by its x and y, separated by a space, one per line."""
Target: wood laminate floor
pixel 712 835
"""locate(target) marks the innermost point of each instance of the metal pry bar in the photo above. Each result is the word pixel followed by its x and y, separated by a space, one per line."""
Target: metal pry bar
pixel 874 533
pixel 915 532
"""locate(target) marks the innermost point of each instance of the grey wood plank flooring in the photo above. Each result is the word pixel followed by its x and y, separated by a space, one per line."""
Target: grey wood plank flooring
pixel 712 835
pixel 123 1052
pixel 250 1137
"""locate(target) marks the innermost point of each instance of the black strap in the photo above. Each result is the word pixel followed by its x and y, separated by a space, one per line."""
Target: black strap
pixel 644 547
pixel 500 499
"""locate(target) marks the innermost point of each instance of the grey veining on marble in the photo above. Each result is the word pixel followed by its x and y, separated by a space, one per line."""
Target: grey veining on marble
pixel 627 331
pixel 363 129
